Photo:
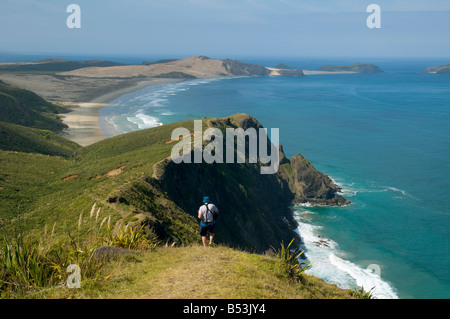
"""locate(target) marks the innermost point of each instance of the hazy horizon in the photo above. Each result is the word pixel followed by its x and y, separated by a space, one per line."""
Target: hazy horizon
pixel 220 28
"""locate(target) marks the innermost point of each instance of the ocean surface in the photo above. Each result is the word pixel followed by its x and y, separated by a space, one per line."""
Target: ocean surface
pixel 384 138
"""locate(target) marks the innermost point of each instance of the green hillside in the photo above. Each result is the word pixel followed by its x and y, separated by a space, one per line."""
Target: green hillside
pixel 22 107
pixel 54 66
pixel 30 124
pixel 30 140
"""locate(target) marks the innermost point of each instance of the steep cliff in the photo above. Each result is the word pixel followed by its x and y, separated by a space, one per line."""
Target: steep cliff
pixel 254 208
pixel 132 179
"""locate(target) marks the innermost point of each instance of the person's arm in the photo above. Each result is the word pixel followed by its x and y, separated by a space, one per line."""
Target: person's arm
pixel 199 214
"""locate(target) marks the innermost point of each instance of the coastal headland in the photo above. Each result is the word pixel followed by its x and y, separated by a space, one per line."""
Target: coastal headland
pixel 85 87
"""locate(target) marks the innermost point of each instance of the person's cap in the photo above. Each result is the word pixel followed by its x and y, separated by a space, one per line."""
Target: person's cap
pixel 206 199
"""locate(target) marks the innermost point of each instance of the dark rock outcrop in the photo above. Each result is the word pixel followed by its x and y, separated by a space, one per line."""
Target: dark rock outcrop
pixel 285 72
pixel 254 209
pixel 238 68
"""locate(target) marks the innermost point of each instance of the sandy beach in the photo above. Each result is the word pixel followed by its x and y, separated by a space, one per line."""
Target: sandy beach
pixel 84 120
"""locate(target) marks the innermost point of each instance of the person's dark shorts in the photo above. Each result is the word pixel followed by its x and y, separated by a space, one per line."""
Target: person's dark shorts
pixel 205 229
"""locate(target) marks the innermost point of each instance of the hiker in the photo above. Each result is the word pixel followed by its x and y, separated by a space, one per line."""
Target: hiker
pixel 207 213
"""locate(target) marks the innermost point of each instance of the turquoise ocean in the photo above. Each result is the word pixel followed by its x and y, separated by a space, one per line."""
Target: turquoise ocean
pixel 384 138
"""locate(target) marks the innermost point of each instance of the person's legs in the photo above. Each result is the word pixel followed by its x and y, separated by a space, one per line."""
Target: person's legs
pixel 211 233
pixel 203 233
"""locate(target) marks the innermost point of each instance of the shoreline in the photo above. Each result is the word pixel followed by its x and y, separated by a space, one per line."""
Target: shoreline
pixel 83 120
pixel 86 126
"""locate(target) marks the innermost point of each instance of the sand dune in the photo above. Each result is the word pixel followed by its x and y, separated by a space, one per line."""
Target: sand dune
pixel 198 66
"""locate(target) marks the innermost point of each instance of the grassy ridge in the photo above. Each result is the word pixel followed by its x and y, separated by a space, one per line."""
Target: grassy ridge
pixel 54 66
pixel 47 189
pixel 30 140
pixel 23 107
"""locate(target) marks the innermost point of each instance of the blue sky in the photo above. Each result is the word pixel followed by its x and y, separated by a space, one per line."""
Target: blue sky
pixel 228 28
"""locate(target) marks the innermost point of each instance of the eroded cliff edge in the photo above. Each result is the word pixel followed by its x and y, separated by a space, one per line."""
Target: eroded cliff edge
pixel 255 208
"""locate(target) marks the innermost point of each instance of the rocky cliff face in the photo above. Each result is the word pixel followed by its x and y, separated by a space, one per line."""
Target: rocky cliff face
pixel 238 68
pixel 254 208
pixel 255 211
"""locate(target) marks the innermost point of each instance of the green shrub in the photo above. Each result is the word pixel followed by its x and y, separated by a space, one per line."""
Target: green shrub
pixel 289 257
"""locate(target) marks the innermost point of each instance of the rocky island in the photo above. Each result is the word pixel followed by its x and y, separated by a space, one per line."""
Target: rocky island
pixel 355 68
pixel 440 69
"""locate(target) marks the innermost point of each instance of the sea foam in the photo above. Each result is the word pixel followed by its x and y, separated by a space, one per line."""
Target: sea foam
pixel 329 263
pixel 145 108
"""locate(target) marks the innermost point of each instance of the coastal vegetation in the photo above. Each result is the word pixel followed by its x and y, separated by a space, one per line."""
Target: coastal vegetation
pixel 50 66
pixel 23 107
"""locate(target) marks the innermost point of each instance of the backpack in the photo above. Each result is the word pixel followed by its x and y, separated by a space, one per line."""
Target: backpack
pixel 215 215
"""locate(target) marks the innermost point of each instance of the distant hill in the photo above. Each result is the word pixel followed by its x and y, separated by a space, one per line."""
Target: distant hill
pixel 283 66
pixel 175 75
pixel 237 68
pixel 23 107
pixel 30 140
pixel 159 61
pixel 440 69
pixel 357 67
pixel 196 66
pixel 54 65
pixel 30 124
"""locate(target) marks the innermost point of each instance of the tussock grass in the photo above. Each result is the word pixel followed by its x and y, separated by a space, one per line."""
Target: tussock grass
pixel 34 267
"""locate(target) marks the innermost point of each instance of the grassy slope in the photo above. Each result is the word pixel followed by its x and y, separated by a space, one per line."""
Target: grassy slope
pixel 30 140
pixel 34 186
pixel 50 66
pixel 194 272
pixel 22 107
